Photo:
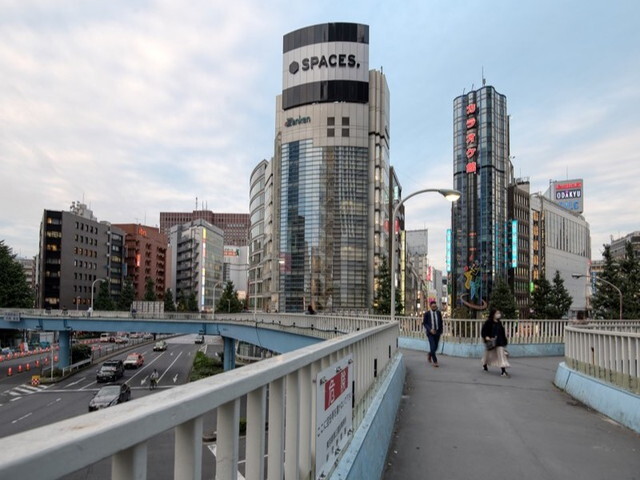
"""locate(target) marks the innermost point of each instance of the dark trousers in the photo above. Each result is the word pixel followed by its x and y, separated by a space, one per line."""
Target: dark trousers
pixel 434 340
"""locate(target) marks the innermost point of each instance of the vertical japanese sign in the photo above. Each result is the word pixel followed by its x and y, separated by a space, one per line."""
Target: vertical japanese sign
pixel 514 243
pixel 448 250
pixel 334 411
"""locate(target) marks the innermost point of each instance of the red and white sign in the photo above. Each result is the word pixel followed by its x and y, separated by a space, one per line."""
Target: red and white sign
pixel 334 413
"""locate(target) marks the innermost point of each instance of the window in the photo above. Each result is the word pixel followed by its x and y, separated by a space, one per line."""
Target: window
pixel 345 121
pixel 331 132
pixel 331 121
pixel 345 132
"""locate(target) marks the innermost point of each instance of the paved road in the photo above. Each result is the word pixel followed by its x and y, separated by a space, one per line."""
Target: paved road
pixel 458 422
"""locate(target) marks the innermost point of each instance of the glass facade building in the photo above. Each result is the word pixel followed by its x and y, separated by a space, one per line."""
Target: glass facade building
pixel 330 171
pixel 482 172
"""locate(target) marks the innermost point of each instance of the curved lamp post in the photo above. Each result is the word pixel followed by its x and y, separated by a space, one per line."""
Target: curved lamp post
pixel 92 286
pixel 598 279
pixel 451 195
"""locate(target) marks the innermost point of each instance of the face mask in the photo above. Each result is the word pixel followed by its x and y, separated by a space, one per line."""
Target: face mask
pixel 498 316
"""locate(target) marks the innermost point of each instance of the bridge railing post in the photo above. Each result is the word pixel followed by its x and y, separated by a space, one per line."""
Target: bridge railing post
pixel 188 450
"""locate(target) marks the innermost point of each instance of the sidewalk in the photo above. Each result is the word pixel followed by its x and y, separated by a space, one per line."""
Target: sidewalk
pixel 458 422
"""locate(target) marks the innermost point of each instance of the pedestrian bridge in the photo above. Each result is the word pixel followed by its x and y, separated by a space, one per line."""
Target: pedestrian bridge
pixel 325 410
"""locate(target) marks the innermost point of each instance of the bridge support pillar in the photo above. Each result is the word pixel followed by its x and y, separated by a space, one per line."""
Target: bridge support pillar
pixel 64 343
pixel 229 353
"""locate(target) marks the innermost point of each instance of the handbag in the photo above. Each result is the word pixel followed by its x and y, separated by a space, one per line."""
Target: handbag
pixel 490 344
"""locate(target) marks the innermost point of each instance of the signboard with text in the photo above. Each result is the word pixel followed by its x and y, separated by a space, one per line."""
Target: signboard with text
pixel 334 400
pixel 569 194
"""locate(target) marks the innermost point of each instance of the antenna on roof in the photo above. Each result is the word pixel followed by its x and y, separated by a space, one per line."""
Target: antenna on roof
pixel 484 80
pixel 196 203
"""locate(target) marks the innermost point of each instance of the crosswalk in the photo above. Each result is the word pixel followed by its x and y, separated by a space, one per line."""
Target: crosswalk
pixel 22 390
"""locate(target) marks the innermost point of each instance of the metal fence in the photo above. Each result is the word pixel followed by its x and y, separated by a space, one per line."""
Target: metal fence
pixel 609 351
pixel 122 432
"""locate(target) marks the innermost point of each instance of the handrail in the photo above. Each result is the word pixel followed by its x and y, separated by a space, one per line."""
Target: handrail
pixel 609 352
pixel 121 432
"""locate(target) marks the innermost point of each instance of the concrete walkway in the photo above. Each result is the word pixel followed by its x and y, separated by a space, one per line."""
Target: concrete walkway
pixel 458 422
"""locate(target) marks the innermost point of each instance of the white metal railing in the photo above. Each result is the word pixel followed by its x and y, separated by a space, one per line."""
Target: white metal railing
pixel 122 432
pixel 468 330
pixel 610 352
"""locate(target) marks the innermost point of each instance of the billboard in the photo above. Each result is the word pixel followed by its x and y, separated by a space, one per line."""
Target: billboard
pixel 568 194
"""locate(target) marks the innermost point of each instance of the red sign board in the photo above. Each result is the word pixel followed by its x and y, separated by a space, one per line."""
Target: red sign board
pixel 334 387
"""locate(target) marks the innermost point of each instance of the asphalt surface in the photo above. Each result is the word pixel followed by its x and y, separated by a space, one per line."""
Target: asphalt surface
pixel 458 422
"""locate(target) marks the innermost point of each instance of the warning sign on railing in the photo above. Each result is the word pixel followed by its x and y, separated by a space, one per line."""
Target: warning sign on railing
pixel 333 413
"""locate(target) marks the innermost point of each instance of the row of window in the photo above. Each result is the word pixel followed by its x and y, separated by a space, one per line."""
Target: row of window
pixel 85 252
pixel 86 228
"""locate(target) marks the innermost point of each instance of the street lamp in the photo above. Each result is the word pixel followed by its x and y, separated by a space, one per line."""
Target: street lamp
pixel 93 285
pixel 214 297
pixel 451 195
pixel 598 279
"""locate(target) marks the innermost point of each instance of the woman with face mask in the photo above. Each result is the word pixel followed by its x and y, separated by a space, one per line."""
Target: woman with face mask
pixel 494 336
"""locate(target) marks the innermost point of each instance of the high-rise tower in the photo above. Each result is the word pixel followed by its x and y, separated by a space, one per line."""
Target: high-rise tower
pixel 482 171
pixel 330 170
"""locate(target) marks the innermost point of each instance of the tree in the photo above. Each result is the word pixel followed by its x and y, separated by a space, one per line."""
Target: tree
pixel 382 305
pixel 229 301
pixel 192 303
pixel 150 290
pixel 629 269
pixel 127 296
pixel 104 301
pixel 502 299
pixel 606 302
pixel 541 292
pixel 560 300
pixel 169 306
pixel 14 290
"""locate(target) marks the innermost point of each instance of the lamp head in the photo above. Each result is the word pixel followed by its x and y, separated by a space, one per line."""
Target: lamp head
pixel 451 195
pixel 577 275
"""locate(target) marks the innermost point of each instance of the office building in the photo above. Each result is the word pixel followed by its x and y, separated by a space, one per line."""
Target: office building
pixel 234 225
pixel 145 258
pixel 77 252
pixel 482 172
pixel 330 172
pixel 196 260
pixel 561 241
pixel 29 268
pixel 619 245
pixel 519 270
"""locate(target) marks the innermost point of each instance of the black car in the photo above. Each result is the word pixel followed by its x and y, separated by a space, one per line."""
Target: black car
pixel 110 371
pixel 110 395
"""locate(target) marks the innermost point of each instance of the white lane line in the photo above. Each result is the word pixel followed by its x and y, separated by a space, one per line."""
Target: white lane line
pixel 76 382
pixel 16 398
pixel 171 365
pixel 213 448
pixel 22 417
pixel 14 394
pixel 175 378
pixel 55 401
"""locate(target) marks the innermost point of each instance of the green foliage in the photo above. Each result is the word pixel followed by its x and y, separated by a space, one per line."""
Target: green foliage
pixel 624 273
pixel 169 306
pixel 192 303
pixel 541 292
pixel 80 352
pixel 127 296
pixel 502 299
pixel 14 290
pixel 150 290
pixel 559 299
pixel 382 305
pixel 228 301
pixel 204 367
pixel 103 301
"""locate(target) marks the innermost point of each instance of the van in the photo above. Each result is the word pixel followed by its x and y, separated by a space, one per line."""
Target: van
pixel 105 337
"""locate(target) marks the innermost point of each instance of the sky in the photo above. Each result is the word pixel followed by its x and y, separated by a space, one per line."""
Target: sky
pixel 137 107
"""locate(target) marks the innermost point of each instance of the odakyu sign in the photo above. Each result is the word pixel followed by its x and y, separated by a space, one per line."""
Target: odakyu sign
pixel 324 62
pixel 568 194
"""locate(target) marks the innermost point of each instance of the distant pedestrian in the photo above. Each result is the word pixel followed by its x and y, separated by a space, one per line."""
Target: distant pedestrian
pixel 154 380
pixel 310 310
pixel 432 322
pixel 495 338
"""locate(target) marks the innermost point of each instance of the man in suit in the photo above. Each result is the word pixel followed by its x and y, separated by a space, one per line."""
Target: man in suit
pixel 432 322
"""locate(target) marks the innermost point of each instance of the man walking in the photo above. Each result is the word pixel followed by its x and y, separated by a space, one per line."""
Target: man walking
pixel 432 322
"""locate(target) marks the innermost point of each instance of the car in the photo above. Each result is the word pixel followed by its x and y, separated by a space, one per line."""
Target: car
pixel 110 395
pixel 147 336
pixel 122 339
pixel 110 371
pixel 134 360
pixel 105 337
pixel 160 346
pixel 199 339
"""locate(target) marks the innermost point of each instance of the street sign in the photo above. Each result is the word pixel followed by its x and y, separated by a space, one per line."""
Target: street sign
pixel 12 316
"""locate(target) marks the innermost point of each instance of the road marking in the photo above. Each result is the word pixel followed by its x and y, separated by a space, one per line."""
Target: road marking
pixel 175 378
pixel 169 366
pixel 55 401
pixel 213 448
pixel 22 417
pixel 76 382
